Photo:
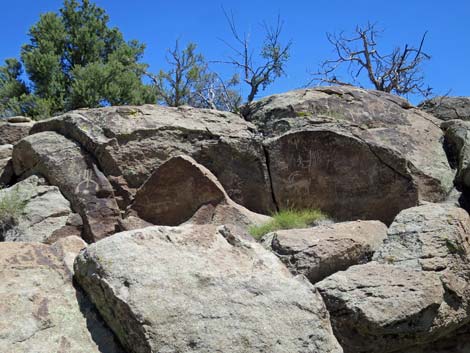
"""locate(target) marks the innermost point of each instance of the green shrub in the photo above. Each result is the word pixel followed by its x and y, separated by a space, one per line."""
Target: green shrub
pixel 12 204
pixel 288 219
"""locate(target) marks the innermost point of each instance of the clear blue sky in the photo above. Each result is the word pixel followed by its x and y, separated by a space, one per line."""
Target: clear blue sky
pixel 160 23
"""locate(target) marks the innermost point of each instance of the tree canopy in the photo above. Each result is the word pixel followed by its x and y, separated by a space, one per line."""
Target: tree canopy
pixel 74 60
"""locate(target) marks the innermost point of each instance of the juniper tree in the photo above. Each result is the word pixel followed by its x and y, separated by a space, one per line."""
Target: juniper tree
pixel 74 59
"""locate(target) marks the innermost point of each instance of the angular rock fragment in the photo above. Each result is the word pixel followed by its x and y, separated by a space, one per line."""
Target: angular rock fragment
pixel 65 165
pixel 182 190
pixel 38 211
pixel 321 251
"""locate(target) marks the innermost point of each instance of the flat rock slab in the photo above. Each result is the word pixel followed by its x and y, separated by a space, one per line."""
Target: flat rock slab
pixel 201 289
pixel 130 143
pixel 323 250
pixel 354 153
pixel 40 309
pixel 65 165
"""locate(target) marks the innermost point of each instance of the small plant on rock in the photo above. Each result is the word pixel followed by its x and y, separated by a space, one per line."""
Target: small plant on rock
pixel 289 219
pixel 12 205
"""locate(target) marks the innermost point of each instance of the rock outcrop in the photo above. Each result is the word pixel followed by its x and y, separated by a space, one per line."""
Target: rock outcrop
pixel 206 290
pixel 457 143
pixel 448 108
pixel 40 309
pixel 414 292
pixel 6 165
pixel 43 214
pixel 130 143
pixel 321 251
pixel 181 190
pixel 353 153
pixel 11 131
pixel 65 165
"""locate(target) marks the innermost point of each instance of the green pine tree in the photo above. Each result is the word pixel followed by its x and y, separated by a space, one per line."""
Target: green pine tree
pixel 75 60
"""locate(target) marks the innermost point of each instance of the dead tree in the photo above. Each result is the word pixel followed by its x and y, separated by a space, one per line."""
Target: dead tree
pixel 398 72
pixel 261 69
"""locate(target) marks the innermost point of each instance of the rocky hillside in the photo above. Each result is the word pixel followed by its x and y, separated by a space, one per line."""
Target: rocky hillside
pixel 128 229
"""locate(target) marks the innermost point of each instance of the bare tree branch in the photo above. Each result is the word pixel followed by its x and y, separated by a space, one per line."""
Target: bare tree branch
pixel 397 72
pixel 272 57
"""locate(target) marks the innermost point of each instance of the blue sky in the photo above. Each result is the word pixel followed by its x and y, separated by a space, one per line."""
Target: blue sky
pixel 160 23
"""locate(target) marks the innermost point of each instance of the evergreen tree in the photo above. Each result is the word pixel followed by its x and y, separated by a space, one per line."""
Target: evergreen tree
pixel 75 60
pixel 12 88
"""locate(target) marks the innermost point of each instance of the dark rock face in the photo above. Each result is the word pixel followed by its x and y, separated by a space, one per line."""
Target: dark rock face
pixel 416 290
pixel 64 164
pixel 180 189
pixel 339 174
pixel 130 143
pixel 351 152
pixel 201 289
pixel 448 108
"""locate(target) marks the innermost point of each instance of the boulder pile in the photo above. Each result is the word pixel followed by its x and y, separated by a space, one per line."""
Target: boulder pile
pixel 128 229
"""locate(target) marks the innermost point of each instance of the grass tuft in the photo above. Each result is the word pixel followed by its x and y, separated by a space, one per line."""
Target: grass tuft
pixel 288 219
pixel 12 204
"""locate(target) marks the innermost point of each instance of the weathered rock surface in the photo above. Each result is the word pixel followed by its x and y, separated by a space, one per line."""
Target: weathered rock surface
pixel 65 165
pixel 321 251
pixel 12 132
pixel 414 292
pixel 431 237
pixel 206 290
pixel 448 108
pixel 457 143
pixel 45 215
pixel 456 342
pixel 130 143
pixel 181 189
pixel 40 309
pixel 353 153
pixel 6 165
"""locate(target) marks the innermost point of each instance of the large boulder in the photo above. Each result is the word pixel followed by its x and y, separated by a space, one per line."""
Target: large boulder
pixel 201 289
pixel 130 143
pixel 323 250
pixel 353 153
pixel 12 132
pixel 65 165
pixel 41 311
pixel 415 291
pixel 6 165
pixel 448 108
pixel 180 189
pixel 39 212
